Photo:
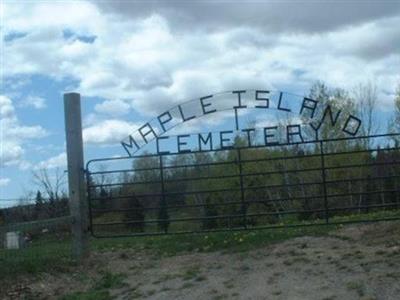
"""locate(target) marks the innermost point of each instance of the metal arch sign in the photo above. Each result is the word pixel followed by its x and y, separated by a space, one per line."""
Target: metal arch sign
pixel 304 108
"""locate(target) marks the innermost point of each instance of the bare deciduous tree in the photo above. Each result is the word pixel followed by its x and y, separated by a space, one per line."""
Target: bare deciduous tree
pixel 366 96
pixel 394 124
pixel 52 185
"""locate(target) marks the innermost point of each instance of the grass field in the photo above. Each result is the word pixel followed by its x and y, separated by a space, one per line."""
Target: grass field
pixel 50 254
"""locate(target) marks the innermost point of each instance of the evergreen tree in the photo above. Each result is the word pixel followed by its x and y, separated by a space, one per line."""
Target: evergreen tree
pixel 39 199
pixel 39 205
pixel 210 211
pixel 135 214
pixel 104 197
pixel 163 216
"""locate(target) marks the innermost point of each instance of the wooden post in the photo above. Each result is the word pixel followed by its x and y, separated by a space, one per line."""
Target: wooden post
pixel 76 180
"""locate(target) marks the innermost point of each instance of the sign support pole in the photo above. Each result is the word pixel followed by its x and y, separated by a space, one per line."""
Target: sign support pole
pixel 76 179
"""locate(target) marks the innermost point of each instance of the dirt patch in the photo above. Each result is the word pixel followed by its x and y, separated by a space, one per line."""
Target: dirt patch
pixel 355 262
pixel 386 233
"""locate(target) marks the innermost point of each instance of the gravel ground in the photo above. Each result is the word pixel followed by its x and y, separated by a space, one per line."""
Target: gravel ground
pixel 355 262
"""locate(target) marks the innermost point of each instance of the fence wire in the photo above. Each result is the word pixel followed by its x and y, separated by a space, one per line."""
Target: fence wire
pixel 34 236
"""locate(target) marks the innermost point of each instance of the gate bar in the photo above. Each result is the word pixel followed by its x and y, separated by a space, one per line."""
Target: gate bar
pixel 321 143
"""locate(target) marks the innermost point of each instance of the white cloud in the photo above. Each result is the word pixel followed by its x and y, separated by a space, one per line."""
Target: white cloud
pixel 149 59
pixel 10 152
pixel 13 134
pixel 270 16
pixel 108 132
pixel 4 181
pixel 6 108
pixel 113 107
pixel 73 15
pixel 155 66
pixel 34 101
pixel 58 161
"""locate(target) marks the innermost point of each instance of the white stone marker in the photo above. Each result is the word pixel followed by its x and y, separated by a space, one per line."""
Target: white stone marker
pixel 13 240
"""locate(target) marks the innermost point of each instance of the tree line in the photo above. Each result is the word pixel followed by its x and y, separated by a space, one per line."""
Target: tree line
pixel 263 186
pixel 286 191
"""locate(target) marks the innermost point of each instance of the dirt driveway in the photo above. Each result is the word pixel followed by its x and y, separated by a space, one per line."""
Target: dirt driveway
pixel 355 262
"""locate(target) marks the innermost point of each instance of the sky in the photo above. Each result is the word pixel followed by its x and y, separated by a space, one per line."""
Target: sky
pixel 132 60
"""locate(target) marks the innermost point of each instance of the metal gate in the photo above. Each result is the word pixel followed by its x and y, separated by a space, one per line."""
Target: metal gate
pixel 298 184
